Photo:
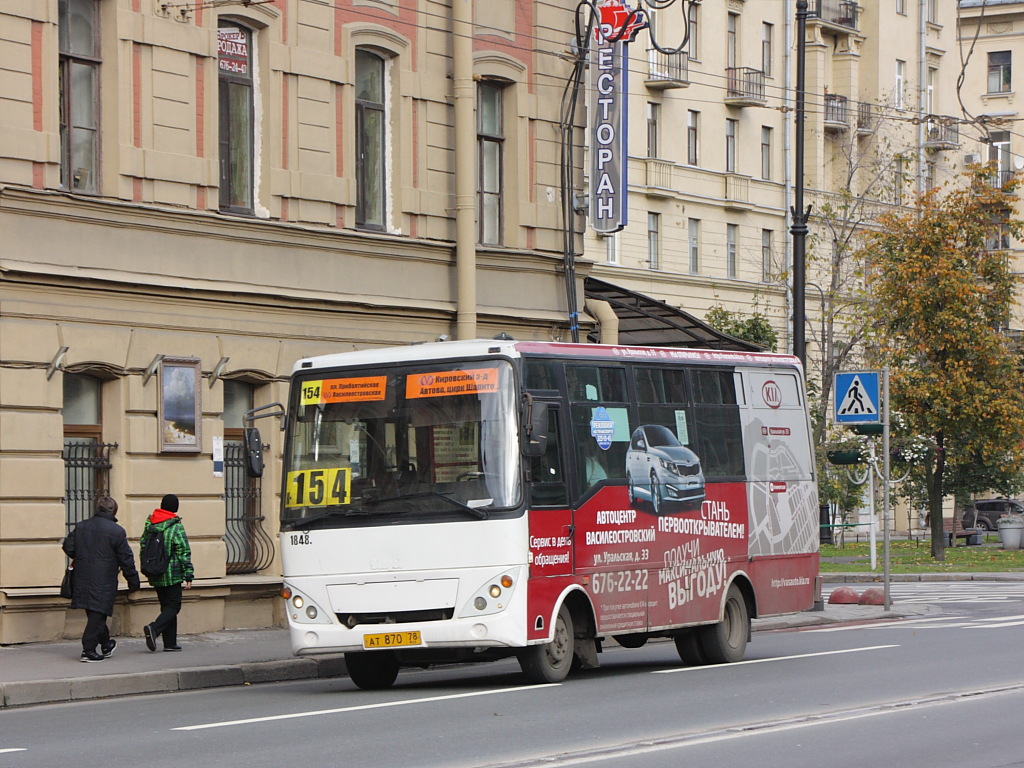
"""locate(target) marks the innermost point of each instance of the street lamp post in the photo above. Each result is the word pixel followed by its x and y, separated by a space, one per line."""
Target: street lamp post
pixel 799 214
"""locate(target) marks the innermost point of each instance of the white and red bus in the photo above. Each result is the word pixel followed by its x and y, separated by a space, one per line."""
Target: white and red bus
pixel 468 501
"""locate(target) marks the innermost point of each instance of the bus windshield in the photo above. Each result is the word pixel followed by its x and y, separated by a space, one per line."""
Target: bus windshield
pixel 402 443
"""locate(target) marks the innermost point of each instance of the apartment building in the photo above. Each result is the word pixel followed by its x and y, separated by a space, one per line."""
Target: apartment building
pixel 991 37
pixel 194 195
pixel 712 147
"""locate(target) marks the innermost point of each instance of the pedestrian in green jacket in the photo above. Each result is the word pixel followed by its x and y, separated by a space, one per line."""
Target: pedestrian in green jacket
pixel 168 585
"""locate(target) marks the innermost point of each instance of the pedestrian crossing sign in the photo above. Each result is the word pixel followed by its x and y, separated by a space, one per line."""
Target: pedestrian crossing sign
pixel 857 397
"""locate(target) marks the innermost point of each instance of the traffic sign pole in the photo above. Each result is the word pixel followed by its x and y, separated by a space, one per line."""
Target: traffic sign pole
pixel 887 602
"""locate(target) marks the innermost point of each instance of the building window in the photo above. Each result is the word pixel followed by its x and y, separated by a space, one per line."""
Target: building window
pixel 999 73
pixel 731 129
pixel 371 120
pixel 999 153
pixel 692 137
pixel 901 7
pixel 730 40
pixel 234 46
pixel 766 49
pixel 901 75
pixel 78 32
pixel 249 548
pixel 692 24
pixel 86 457
pixel 929 175
pixel 929 95
pixel 611 248
pixel 897 168
pixel 490 159
pixel 767 272
pixel 731 237
pixel 653 118
pixel 654 240
pixel 766 152
pixel 693 237
pixel 932 12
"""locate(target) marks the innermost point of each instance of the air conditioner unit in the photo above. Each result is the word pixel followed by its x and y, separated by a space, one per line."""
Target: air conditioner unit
pixel 972 158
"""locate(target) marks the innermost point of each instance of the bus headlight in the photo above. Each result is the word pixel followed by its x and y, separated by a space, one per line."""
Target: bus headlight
pixel 493 597
pixel 302 610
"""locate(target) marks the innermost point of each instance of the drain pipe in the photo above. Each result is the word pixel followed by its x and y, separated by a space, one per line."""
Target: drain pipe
pixel 606 318
pixel 464 90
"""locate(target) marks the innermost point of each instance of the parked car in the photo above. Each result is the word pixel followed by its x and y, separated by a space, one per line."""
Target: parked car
pixel 660 469
pixel 987 511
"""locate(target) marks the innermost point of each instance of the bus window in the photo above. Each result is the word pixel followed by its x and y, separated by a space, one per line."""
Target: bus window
pixel 718 432
pixel 593 384
pixel 541 374
pixel 546 473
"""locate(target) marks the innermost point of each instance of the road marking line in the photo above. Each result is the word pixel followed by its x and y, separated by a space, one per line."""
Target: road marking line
pixel 13 749
pixel 774 658
pixel 897 624
pixel 995 626
pixel 363 707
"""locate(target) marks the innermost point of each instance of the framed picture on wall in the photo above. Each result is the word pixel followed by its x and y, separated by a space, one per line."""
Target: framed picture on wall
pixel 180 407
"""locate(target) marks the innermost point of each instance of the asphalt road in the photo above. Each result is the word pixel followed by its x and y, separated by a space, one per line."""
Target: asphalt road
pixel 934 691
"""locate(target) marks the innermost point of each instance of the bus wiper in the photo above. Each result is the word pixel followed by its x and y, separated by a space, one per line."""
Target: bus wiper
pixel 480 514
pixel 305 522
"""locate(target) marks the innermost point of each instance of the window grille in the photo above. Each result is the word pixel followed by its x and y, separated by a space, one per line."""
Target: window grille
pixel 249 548
pixel 86 477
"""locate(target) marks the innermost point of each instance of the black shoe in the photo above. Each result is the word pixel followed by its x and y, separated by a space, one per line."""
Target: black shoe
pixel 91 656
pixel 150 637
pixel 172 648
pixel 108 649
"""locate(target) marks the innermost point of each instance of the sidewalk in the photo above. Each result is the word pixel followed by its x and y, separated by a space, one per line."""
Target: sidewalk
pixel 40 673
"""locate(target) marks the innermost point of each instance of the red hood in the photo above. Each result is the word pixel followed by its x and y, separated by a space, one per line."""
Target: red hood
pixel 160 516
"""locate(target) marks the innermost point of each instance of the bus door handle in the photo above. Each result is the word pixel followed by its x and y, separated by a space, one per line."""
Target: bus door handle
pixel 572 530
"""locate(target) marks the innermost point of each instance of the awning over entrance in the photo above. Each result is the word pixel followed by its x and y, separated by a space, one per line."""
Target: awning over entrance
pixel 648 322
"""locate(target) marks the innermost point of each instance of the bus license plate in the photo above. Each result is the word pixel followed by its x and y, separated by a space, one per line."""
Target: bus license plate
pixel 392 640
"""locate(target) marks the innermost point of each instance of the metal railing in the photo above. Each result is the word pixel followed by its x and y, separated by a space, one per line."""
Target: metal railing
pixel 745 84
pixel 86 477
pixel 844 13
pixel 945 135
pixel 667 70
pixel 866 117
pixel 836 110
pixel 249 548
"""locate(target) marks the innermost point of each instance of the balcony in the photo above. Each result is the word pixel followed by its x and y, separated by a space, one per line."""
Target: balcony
pixel 659 177
pixel 667 70
pixel 842 13
pixel 737 191
pixel 745 87
pixel 867 120
pixel 837 113
pixel 1002 175
pixel 940 135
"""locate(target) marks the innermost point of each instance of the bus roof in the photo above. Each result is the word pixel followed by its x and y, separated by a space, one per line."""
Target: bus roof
pixel 489 347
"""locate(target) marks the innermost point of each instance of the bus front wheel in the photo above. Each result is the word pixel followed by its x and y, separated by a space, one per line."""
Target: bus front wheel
pixel 726 641
pixel 372 670
pixel 551 662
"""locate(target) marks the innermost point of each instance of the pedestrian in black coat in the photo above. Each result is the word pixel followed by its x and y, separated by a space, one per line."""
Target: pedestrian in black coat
pixel 99 548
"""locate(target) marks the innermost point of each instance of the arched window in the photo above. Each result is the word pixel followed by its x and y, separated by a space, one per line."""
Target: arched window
pixel 86 457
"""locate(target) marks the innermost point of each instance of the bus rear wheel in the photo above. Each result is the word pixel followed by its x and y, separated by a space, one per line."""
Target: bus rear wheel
pixel 688 648
pixel 726 641
pixel 551 662
pixel 372 670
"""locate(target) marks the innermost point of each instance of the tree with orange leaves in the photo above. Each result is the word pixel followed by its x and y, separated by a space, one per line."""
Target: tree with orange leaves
pixel 941 288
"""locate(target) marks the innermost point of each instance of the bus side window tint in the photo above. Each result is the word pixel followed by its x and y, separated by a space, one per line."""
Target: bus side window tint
pixel 719 434
pixel 546 473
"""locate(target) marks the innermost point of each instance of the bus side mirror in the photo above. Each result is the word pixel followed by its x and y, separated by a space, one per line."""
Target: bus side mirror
pixel 535 428
pixel 253 450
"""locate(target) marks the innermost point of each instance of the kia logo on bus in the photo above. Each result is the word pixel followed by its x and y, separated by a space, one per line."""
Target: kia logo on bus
pixel 772 394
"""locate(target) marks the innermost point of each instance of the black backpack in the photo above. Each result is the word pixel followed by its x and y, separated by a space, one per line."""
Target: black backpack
pixel 153 558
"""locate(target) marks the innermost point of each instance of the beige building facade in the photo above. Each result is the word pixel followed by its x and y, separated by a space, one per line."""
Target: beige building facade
pixel 194 196
pixel 712 146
